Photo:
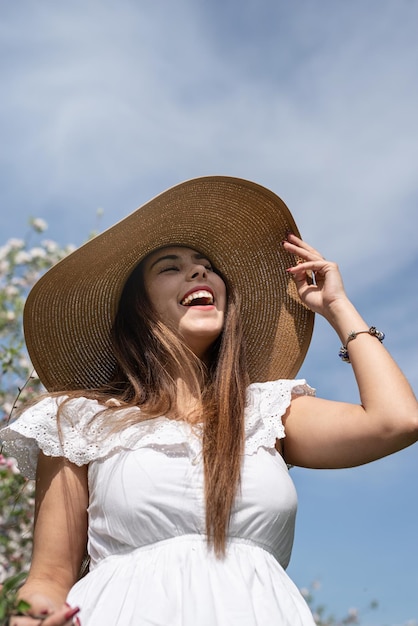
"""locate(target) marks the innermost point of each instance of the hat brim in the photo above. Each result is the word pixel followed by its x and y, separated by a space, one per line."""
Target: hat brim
pixel 238 224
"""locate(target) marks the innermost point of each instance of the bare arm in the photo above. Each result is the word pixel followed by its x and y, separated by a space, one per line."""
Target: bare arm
pixel 329 434
pixel 60 536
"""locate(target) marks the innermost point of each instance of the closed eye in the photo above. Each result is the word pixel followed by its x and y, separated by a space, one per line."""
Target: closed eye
pixel 169 268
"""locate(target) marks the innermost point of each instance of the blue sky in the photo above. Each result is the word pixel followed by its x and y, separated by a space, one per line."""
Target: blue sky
pixel 105 104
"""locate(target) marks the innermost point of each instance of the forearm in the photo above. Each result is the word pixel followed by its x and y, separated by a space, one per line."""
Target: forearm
pixel 383 388
pixel 60 531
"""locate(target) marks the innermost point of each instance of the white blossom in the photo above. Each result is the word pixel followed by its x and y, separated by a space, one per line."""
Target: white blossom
pixel 4 251
pixel 37 253
pixel 10 291
pixel 16 244
pixel 39 224
pixel 7 408
pixel 11 464
pixel 24 362
pixel 22 257
pixel 50 245
pixel 18 280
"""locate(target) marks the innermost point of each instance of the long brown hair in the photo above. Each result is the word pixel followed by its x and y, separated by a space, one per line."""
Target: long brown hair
pixel 151 358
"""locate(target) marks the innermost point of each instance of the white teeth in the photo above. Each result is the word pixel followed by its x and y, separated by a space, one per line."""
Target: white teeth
pixel 196 295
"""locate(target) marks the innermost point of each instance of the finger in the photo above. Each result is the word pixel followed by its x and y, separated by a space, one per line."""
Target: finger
pixel 297 246
pixel 70 617
pixel 64 617
pixel 312 272
pixel 302 278
pixel 28 620
pixel 301 267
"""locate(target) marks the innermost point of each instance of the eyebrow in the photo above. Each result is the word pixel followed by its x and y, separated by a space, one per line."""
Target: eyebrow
pixel 175 257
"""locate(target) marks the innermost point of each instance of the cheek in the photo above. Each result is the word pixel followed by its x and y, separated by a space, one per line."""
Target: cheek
pixel 155 298
pixel 159 304
pixel 221 289
pixel 164 304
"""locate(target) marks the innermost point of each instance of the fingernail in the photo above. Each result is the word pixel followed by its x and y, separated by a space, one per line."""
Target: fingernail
pixel 69 614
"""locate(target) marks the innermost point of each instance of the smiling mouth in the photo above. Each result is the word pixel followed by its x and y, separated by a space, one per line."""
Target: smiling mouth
pixel 201 297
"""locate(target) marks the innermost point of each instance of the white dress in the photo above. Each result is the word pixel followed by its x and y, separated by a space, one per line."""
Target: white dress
pixel 150 564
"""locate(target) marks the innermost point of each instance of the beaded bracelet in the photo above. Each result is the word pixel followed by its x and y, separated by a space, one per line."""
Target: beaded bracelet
pixel 343 353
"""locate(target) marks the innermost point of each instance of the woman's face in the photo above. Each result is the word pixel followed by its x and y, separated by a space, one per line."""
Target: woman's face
pixel 187 295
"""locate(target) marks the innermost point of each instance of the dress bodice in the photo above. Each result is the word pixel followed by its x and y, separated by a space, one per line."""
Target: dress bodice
pixel 139 497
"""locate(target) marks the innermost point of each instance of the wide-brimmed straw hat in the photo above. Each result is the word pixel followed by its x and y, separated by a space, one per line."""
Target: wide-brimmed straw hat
pixel 237 224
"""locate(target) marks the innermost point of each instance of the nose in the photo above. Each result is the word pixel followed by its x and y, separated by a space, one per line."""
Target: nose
pixel 197 270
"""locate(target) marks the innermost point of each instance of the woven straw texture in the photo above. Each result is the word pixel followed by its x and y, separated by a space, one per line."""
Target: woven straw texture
pixel 237 224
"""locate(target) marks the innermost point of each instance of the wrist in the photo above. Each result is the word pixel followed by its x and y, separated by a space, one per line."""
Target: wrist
pixel 342 315
pixel 44 592
pixel 372 331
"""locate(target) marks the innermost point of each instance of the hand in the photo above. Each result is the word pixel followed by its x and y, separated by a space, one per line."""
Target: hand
pixel 318 281
pixel 63 616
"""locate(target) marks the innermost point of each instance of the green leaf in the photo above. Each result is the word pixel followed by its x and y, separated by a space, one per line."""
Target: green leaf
pixel 13 583
pixel 22 607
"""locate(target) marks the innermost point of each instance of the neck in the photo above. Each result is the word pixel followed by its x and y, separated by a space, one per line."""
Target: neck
pixel 189 404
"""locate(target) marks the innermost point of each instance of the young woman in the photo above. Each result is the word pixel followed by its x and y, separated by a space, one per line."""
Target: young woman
pixel 169 346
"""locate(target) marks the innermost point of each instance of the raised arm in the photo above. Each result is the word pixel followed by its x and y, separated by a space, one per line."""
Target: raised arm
pixel 59 541
pixel 327 434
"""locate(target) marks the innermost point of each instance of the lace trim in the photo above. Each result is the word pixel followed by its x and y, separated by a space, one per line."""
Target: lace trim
pixel 84 440
pixel 266 404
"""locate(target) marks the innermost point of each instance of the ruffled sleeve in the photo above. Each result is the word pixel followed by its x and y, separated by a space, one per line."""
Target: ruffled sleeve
pixel 266 404
pixel 37 429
